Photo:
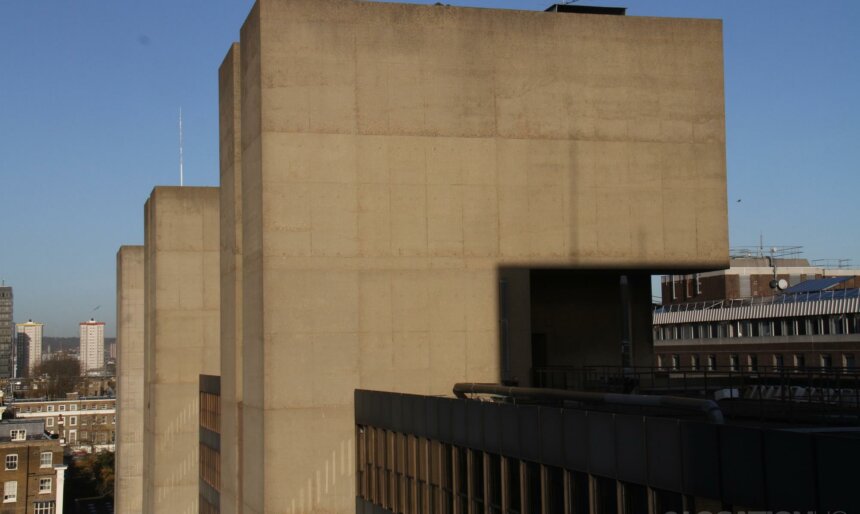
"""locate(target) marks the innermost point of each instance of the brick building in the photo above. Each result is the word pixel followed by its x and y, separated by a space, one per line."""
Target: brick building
pixel 84 422
pixel 750 277
pixel 33 470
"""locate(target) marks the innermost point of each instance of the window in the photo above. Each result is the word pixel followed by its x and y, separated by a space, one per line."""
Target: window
pixel 659 362
pixel 49 422
pixel 712 362
pixel 752 362
pixel 12 461
pixel 45 485
pixel 694 362
pixel 63 408
pixel 826 362
pixel 46 459
pixel 733 362
pixel 676 361
pixel 799 361
pixel 698 284
pixel 43 507
pixel 73 406
pixel 848 361
pixel 10 492
pixel 73 420
pixel 18 435
pixel 50 408
pixel 778 362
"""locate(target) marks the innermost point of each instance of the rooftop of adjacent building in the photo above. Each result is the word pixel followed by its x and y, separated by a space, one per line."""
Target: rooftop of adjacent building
pixel 62 400
pixel 92 321
pixel 34 430
pixel 30 323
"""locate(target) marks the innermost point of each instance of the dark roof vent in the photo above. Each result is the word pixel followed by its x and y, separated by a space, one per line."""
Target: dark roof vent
pixel 587 9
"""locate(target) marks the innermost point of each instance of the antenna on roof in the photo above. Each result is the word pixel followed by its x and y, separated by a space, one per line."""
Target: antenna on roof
pixel 181 170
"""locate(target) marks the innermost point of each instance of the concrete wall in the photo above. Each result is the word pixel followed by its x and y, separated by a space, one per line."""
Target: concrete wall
pixel 231 281
pixel 128 485
pixel 396 159
pixel 181 338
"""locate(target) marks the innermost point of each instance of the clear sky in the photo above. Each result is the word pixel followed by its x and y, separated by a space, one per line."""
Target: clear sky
pixel 90 92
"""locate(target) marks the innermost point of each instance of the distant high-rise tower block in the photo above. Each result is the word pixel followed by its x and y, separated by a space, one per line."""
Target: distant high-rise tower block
pixel 29 347
pixel 128 486
pixel 432 194
pixel 7 332
pixel 181 339
pixel 92 345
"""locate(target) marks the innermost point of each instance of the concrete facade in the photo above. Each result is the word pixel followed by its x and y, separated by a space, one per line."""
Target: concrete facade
pixel 181 338
pixel 231 281
pixel 399 163
pixel 128 485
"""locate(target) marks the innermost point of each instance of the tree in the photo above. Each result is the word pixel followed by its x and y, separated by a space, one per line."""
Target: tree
pixel 63 373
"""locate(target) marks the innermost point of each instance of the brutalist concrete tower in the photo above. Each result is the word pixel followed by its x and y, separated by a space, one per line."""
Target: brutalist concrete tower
pixel 431 194
pixel 181 338
pixel 231 280
pixel 128 486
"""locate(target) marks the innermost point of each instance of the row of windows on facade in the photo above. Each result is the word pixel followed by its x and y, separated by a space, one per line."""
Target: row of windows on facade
pixel 210 412
pixel 46 460
pixel 10 491
pixel 751 362
pixel 407 475
pixel 73 421
pixel 62 408
pixel 811 325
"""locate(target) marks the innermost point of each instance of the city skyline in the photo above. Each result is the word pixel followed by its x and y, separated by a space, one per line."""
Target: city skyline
pixel 110 133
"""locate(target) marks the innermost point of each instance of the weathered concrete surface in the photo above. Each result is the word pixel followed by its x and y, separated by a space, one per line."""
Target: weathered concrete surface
pixel 181 338
pixel 128 486
pixel 231 280
pixel 395 158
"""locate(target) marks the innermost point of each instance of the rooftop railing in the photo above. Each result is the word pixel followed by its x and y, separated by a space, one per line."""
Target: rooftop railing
pixel 794 395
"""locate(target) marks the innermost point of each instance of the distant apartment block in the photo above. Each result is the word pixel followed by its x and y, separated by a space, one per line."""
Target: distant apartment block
pixel 32 472
pixel 82 422
pixel 7 332
pixel 29 354
pixel 92 345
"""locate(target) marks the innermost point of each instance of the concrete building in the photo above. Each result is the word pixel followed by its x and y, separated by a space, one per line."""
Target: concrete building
pixel 181 339
pixel 80 422
pixel 8 335
pixel 33 473
pixel 230 384
pixel 128 487
pixel 92 345
pixel 431 195
pixel 29 351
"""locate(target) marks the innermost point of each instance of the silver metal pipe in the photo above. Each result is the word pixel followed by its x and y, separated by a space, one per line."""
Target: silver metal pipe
pixel 708 408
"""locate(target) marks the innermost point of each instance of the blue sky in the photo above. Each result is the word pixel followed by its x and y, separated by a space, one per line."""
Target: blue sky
pixel 90 92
